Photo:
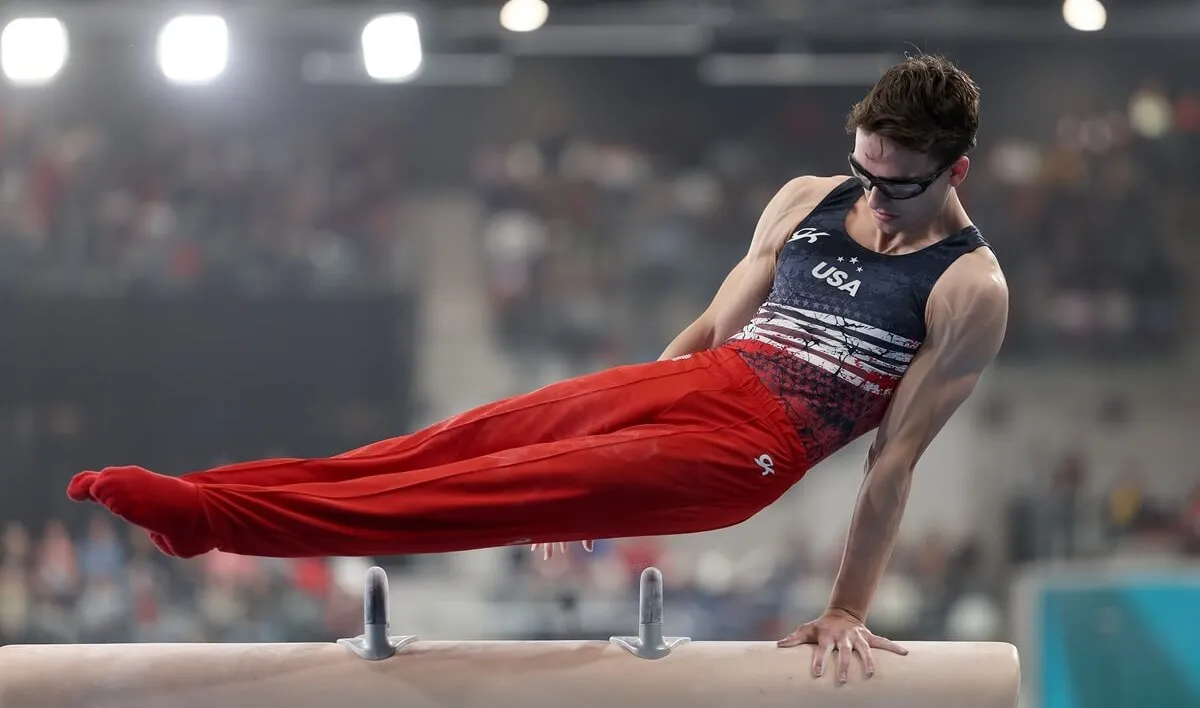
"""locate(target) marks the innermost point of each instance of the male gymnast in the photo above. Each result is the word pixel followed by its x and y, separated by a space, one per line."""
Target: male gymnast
pixel 864 302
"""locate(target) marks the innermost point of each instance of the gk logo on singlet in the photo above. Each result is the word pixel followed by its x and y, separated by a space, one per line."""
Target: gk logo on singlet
pixel 807 234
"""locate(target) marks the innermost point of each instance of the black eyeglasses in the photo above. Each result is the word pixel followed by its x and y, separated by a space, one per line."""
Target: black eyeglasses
pixel 897 189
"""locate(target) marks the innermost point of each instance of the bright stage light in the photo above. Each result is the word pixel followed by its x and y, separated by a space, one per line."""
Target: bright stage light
pixel 391 47
pixel 1085 15
pixel 524 15
pixel 193 49
pixel 33 50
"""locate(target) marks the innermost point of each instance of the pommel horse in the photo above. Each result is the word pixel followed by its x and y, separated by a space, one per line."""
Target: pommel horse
pixel 376 668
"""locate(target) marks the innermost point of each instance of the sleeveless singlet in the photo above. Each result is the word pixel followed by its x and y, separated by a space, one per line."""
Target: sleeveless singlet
pixel 842 323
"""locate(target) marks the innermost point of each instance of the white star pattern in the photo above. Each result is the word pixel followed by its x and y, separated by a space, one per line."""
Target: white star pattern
pixel 840 259
pixel 860 269
pixel 852 260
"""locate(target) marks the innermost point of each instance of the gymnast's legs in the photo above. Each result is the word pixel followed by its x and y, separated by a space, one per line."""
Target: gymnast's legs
pixel 667 447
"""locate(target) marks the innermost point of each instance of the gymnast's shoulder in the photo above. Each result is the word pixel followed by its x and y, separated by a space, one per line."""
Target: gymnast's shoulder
pixel 794 201
pixel 809 189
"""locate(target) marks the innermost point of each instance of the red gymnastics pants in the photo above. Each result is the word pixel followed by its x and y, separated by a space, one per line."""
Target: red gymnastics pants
pixel 668 447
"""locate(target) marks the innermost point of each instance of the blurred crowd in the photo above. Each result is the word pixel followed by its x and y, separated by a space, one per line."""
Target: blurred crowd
pixel 177 204
pixel 1068 517
pixel 103 585
pixel 603 230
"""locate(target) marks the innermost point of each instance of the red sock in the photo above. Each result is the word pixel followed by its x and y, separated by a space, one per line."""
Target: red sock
pixel 168 507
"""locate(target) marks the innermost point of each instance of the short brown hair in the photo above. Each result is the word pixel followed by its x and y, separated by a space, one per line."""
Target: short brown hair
pixel 925 103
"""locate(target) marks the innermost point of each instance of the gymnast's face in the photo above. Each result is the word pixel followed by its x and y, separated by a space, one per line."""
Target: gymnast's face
pixel 905 189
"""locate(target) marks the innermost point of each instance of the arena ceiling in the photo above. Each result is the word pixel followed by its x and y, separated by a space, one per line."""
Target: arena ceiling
pixel 887 20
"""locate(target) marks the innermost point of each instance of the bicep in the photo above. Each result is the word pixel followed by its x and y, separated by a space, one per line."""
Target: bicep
pixel 924 401
pixel 968 330
pixel 744 290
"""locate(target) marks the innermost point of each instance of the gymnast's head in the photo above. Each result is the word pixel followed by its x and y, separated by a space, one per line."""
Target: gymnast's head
pixel 912 134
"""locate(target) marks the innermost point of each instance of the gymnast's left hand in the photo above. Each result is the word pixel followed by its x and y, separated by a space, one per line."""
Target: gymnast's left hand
pixel 548 548
pixel 844 633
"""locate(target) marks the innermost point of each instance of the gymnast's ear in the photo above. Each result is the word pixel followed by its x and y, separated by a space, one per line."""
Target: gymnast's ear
pixel 958 170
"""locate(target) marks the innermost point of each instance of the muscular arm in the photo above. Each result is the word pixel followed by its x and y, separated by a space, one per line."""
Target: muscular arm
pixel 748 284
pixel 967 315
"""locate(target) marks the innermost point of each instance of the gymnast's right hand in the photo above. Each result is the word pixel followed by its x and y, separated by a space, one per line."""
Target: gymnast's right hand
pixel 837 630
pixel 548 548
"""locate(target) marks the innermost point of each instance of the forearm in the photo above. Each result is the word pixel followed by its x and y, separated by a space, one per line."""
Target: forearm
pixel 696 338
pixel 873 531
